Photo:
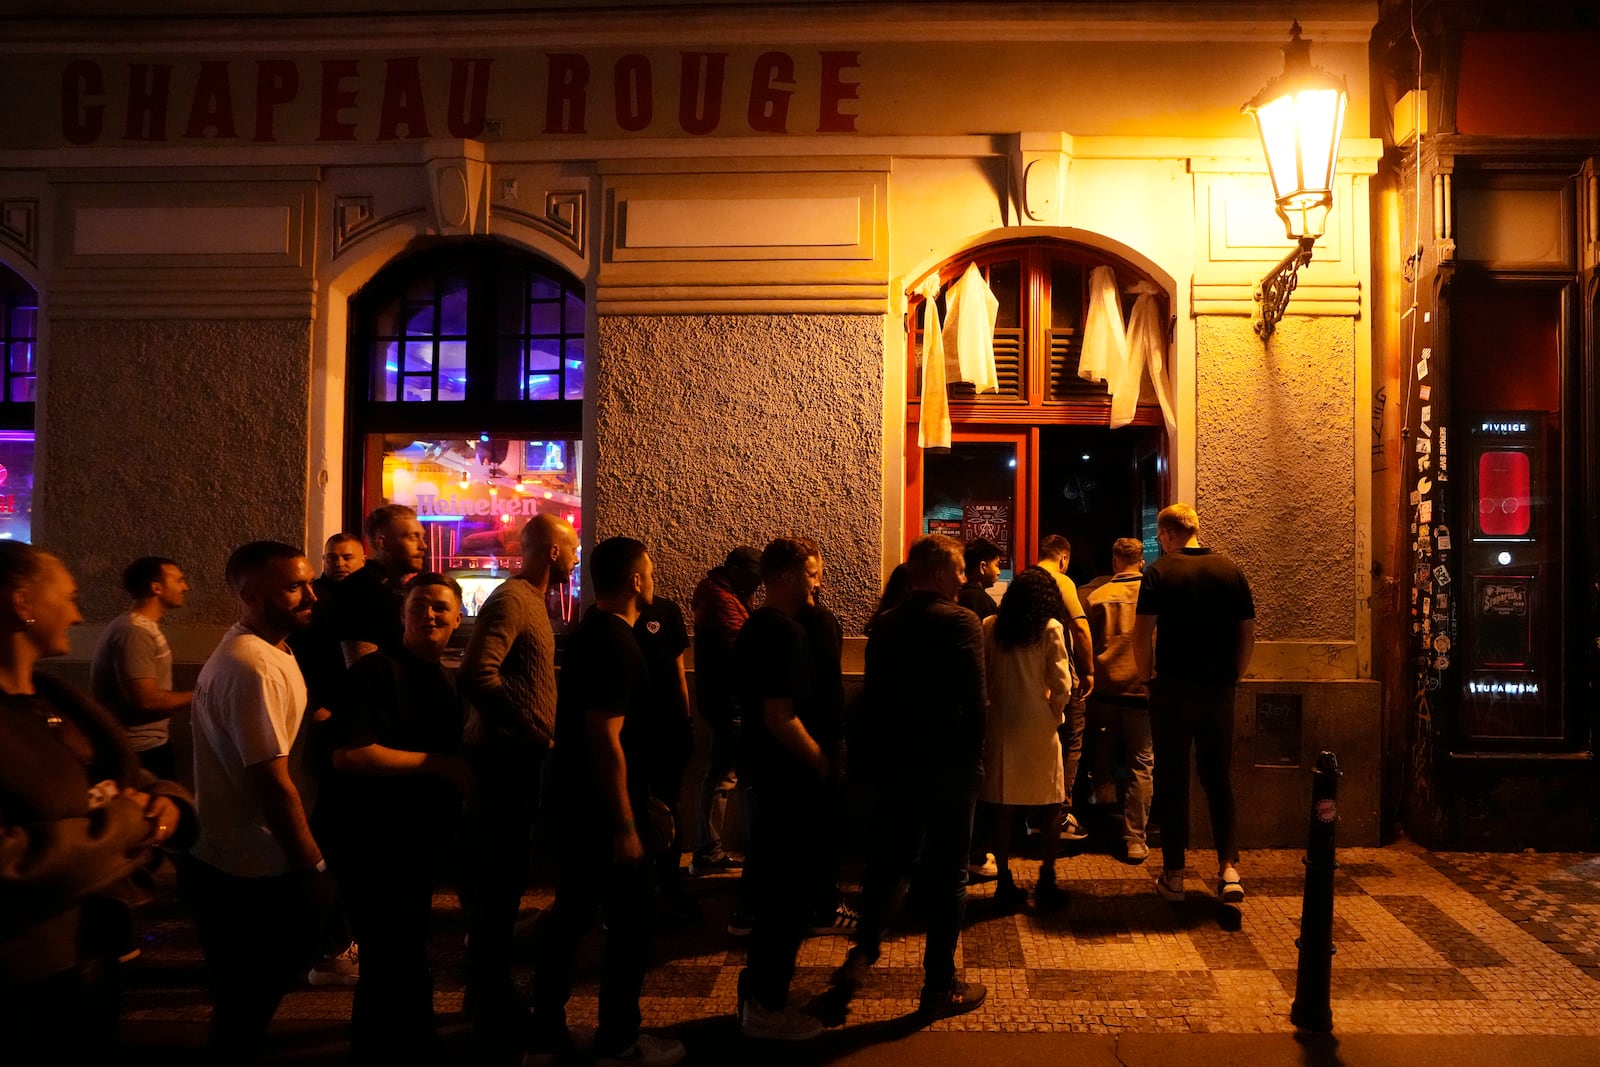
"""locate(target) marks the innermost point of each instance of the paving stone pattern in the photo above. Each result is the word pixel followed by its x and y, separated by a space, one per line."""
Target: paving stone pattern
pixel 1447 943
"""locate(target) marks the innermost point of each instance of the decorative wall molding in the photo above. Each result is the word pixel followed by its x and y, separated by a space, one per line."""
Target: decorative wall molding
pixel 19 227
pixel 355 217
pixel 1039 166
pixel 458 188
pixel 565 216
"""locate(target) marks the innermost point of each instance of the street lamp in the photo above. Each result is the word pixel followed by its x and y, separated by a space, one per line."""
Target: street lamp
pixel 1299 116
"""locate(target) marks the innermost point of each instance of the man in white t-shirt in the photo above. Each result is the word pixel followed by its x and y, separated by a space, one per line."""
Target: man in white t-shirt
pixel 263 900
pixel 131 670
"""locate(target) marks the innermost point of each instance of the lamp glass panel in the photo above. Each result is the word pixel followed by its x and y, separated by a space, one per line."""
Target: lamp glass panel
pixel 1276 121
pixel 1320 113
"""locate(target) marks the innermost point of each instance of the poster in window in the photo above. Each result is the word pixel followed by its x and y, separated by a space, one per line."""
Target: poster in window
pixel 16 485
pixel 1504 489
pixel 991 520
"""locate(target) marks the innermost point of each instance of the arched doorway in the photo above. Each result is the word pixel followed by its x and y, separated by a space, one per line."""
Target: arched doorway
pixel 1037 455
pixel 466 381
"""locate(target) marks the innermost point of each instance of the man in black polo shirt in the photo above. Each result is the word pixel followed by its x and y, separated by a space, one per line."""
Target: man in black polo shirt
pixel 366 606
pixel 1196 603
pixel 600 802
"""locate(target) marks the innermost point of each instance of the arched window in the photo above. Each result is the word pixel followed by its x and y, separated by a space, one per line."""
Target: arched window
pixel 19 348
pixel 1036 456
pixel 466 402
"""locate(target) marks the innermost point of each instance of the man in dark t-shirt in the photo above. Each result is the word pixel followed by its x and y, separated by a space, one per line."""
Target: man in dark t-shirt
pixel 365 607
pixel 982 558
pixel 398 788
pixel 1197 606
pixel 786 767
pixel 600 802
pixel 663 639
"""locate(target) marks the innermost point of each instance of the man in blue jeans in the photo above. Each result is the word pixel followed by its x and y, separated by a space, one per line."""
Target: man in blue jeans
pixel 1196 606
pixel 922 735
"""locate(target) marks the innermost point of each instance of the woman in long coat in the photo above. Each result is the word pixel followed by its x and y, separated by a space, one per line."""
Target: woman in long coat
pixel 1029 683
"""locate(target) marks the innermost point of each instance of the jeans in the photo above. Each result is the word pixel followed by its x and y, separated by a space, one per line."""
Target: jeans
pixel 1126 727
pixel 593 883
pixel 719 783
pixel 938 816
pixel 1197 715
pixel 1071 733
pixel 783 857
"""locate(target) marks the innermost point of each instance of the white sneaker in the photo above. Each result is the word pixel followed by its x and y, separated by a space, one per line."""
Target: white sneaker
pixel 1229 889
pixel 343 969
pixel 646 1051
pixel 986 869
pixel 1170 884
pixel 785 1024
pixel 1137 851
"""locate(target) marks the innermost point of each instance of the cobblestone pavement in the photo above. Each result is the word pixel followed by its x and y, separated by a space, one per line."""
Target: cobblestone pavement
pixel 1446 943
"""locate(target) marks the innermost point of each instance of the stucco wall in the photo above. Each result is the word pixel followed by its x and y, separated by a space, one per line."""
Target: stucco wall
pixel 180 439
pixel 718 430
pixel 1275 470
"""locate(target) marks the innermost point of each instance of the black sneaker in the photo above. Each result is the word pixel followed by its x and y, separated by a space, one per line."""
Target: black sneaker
pixel 740 923
pixel 960 998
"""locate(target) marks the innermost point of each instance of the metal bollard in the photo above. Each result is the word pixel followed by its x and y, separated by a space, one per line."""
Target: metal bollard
pixel 1311 1010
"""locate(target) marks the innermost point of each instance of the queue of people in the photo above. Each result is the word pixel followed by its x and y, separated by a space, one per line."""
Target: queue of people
pixel 336 763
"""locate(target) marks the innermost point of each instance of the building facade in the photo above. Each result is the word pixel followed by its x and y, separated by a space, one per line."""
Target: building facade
pixel 673 270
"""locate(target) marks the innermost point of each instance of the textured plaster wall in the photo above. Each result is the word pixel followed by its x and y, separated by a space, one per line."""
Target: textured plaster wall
pixel 180 439
pixel 1276 468
pixel 718 430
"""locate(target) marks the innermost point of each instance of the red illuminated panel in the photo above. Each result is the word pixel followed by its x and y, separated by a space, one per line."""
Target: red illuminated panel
pixel 1504 481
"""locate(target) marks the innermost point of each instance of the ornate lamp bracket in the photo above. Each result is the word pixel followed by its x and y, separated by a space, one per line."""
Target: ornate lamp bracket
pixel 1273 292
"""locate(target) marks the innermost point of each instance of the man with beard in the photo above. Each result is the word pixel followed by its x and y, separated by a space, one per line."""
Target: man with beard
pixel 263 900
pixel 366 606
pixel 509 678
pixel 601 797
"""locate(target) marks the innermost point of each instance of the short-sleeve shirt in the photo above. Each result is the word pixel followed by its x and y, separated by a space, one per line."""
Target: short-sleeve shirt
pixel 1198 598
pixel 662 637
pixel 602 672
pixel 772 661
pixel 248 707
pixel 367 607
pixel 402 702
pixel 132 646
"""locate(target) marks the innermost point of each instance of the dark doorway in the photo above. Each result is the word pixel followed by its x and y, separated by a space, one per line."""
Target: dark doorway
pixel 1096 485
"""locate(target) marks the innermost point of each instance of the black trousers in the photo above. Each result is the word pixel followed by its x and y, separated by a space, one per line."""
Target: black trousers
pixel 938 816
pixel 592 883
pixel 784 856
pixel 496 842
pixel 1197 716
pixel 387 884
pixel 259 936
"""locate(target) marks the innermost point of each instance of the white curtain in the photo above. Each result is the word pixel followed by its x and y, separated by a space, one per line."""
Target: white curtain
pixel 1147 353
pixel 970 311
pixel 1104 357
pixel 933 432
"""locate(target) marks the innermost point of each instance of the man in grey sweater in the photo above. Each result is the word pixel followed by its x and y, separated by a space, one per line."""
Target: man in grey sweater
pixel 509 677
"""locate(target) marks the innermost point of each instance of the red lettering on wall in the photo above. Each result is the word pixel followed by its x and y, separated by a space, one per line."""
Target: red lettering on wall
pixel 769 105
pixel 277 82
pixel 149 87
pixel 82 117
pixel 336 98
pixel 212 108
pixel 700 91
pixel 835 90
pixel 469 97
pixel 635 96
pixel 403 104
pixel 567 94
